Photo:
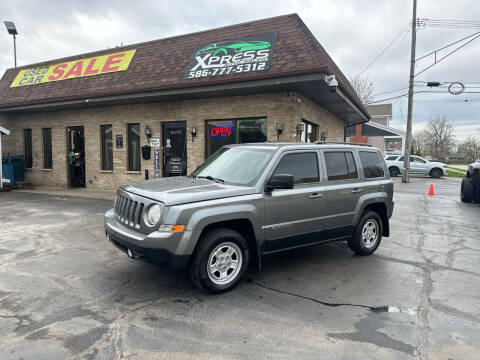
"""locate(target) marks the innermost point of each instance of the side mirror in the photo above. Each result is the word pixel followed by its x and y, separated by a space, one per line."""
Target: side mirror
pixel 280 181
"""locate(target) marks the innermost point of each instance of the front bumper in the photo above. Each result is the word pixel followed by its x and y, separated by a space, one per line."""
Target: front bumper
pixel 160 248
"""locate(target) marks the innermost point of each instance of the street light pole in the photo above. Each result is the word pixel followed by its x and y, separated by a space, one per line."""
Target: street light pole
pixel 12 30
pixel 15 49
pixel 408 137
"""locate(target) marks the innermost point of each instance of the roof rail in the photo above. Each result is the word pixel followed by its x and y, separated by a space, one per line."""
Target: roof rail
pixel 342 143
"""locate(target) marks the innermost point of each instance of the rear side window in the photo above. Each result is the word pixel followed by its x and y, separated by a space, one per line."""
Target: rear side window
pixel 372 164
pixel 340 165
pixel 303 167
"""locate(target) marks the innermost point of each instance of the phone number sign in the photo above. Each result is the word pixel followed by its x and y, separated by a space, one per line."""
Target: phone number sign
pixel 232 57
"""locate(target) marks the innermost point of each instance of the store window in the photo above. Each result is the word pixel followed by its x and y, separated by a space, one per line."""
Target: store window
pixel 309 135
pixel 107 147
pixel 47 148
pixel 133 138
pixel 224 132
pixel 27 134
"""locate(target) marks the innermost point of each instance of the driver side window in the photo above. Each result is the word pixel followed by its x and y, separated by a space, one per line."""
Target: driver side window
pixel 303 167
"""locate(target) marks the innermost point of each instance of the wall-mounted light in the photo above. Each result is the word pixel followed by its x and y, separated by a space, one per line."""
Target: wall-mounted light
pixel 323 136
pixel 193 131
pixel 300 128
pixel 279 127
pixel 148 132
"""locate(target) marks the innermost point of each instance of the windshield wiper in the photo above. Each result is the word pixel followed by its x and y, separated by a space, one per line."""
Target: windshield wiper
pixel 208 177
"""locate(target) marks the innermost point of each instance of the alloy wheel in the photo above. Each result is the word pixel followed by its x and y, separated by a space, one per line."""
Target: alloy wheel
pixel 370 233
pixel 224 263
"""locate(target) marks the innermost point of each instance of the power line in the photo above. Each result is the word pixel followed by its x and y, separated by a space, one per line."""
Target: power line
pixel 383 51
pixel 392 91
pixel 450 53
pixel 390 56
pixel 438 23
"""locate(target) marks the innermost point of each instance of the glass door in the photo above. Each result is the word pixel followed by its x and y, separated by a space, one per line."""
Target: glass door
pixel 174 143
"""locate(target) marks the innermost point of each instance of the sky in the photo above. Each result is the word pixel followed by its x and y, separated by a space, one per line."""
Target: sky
pixel 353 32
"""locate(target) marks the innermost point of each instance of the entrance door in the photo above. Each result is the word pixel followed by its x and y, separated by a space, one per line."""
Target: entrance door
pixel 174 146
pixel 76 156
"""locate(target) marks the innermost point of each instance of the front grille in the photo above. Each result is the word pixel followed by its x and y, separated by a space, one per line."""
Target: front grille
pixel 128 211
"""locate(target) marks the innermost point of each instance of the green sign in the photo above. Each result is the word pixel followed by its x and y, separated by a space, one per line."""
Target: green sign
pixel 232 57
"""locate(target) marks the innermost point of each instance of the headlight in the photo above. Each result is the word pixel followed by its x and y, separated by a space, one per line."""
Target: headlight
pixel 154 213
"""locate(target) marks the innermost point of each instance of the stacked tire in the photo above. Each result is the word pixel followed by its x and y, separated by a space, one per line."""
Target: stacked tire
pixel 469 192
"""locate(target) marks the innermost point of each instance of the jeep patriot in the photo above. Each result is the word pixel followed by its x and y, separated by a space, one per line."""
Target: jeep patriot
pixel 250 200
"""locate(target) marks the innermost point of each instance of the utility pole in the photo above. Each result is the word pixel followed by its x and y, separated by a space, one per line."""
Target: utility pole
pixel 408 138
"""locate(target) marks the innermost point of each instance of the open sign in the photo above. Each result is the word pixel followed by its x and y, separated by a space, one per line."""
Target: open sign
pixel 221 131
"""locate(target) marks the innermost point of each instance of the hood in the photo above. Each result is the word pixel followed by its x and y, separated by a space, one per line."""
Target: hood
pixel 182 190
pixel 438 163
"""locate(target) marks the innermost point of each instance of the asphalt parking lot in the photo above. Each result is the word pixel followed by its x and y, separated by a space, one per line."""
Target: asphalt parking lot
pixel 66 293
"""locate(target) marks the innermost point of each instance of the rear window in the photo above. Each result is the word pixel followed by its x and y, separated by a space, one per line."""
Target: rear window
pixel 391 157
pixel 372 164
pixel 340 165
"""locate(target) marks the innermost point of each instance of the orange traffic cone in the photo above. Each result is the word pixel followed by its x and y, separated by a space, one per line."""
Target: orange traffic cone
pixel 430 192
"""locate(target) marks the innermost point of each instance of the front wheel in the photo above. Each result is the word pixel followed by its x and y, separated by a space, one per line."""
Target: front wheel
pixel 220 261
pixel 436 173
pixel 367 235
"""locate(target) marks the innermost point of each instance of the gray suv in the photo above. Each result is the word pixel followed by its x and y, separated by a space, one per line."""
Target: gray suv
pixel 250 200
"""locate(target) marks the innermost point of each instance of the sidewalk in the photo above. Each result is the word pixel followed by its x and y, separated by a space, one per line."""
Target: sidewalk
pixel 98 194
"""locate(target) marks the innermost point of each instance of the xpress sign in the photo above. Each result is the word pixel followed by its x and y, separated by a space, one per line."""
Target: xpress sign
pixel 232 57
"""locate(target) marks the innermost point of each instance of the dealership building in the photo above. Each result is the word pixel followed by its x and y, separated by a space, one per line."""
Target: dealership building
pixel 162 107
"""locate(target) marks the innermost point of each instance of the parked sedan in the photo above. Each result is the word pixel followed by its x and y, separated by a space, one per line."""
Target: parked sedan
pixel 418 165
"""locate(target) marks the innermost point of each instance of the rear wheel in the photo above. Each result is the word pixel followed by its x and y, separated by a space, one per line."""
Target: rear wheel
pixel 436 173
pixel 220 261
pixel 394 171
pixel 368 234
pixel 467 190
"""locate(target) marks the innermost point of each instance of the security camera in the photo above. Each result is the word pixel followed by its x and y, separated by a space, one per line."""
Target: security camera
pixel 332 83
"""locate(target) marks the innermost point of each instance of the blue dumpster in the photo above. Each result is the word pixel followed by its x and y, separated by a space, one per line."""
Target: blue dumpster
pixel 13 168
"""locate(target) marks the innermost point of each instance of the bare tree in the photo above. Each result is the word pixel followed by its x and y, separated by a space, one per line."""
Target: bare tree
pixel 418 143
pixel 470 147
pixel 438 139
pixel 364 88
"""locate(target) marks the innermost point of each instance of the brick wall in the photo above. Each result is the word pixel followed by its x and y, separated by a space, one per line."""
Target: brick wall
pixel 277 107
pixel 8 141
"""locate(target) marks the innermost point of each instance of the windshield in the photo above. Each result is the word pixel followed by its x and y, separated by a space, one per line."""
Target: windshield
pixel 239 166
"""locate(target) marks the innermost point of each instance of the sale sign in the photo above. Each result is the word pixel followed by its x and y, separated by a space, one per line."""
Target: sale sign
pixel 96 65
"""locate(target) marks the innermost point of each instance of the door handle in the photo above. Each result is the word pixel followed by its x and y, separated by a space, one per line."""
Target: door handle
pixel 315 196
pixel 357 191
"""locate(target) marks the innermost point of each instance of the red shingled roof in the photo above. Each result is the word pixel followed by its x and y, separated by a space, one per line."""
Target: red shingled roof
pixel 161 64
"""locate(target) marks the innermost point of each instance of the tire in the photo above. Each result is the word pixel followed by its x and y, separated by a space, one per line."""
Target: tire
pixel 436 173
pixel 221 248
pixel 467 191
pixel 394 171
pixel 363 240
pixel 476 196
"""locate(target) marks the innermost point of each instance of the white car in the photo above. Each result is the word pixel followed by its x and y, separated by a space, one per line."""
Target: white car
pixel 418 165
